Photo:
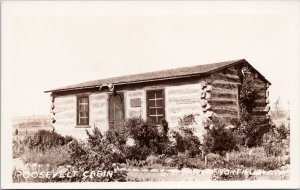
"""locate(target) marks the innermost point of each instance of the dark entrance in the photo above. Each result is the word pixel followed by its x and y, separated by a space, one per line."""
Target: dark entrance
pixel 116 111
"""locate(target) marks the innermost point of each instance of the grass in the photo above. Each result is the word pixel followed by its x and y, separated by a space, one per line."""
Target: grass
pixel 54 156
pixel 148 176
pixel 255 158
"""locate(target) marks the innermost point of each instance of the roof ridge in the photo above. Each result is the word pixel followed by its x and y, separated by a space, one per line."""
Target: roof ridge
pixel 150 72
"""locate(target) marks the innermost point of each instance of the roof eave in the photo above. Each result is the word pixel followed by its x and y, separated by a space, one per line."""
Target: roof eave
pixel 124 83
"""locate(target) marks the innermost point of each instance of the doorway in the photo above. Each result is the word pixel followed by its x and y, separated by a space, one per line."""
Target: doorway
pixel 116 111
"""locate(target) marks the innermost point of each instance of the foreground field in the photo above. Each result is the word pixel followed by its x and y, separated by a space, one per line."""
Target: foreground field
pixel 188 174
pixel 141 152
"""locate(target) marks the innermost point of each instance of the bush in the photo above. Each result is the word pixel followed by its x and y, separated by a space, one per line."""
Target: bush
pixel 276 141
pixel 214 161
pixel 44 139
pixel 283 131
pixel 137 152
pixel 186 141
pixel 18 148
pixel 218 139
pixel 194 163
pixel 148 140
pixel 98 154
pixel 55 156
pixel 183 160
pixel 152 159
pixel 254 133
pixel 170 161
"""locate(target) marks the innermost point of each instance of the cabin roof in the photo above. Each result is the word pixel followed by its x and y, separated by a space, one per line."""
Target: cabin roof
pixel 158 75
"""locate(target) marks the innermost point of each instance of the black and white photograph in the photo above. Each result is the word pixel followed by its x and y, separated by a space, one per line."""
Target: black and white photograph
pixel 150 94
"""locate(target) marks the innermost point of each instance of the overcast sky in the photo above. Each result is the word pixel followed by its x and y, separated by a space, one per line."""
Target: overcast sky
pixel 49 45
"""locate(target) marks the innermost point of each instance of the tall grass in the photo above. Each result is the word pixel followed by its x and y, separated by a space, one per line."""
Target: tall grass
pixel 55 156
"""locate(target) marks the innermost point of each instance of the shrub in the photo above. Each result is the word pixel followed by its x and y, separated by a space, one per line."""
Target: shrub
pixel 254 133
pixel 283 131
pixel 214 160
pixel 152 159
pixel 276 141
pixel 218 139
pixel 186 141
pixel 181 160
pixel 148 139
pixel 184 160
pixel 194 163
pixel 55 156
pixel 97 154
pixel 170 161
pixel 18 148
pixel 137 152
pixel 44 139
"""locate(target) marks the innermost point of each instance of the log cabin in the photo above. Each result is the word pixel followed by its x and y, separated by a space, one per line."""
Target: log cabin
pixel 170 95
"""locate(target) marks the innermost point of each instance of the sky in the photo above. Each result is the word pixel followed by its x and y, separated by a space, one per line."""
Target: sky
pixel 47 45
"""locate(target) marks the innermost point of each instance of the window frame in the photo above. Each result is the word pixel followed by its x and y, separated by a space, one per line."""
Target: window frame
pixel 77 111
pixel 148 104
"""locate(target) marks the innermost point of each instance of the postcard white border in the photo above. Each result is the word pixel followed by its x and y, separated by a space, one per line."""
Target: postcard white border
pixel 16 8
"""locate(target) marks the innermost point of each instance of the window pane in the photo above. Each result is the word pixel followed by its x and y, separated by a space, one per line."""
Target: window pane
pixel 83 114
pixel 83 121
pixel 158 94
pixel 151 95
pixel 83 100
pixel 152 111
pixel 160 111
pixel 151 103
pixel 159 103
pixel 81 107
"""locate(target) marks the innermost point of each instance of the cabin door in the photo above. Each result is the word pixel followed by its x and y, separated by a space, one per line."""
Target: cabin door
pixel 116 111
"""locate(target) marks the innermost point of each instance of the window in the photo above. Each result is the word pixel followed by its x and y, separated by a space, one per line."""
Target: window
pixel 83 110
pixel 156 105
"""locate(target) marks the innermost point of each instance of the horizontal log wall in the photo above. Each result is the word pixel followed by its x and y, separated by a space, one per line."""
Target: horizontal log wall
pixel 181 101
pixel 224 96
pixel 65 108
pixel 260 104
pixel 217 93
pixel 65 114
pixel 99 110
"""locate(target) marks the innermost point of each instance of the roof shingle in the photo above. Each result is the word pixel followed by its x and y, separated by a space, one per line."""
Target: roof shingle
pixel 156 75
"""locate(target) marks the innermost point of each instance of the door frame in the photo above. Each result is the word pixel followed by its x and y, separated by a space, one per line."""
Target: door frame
pixel 108 106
